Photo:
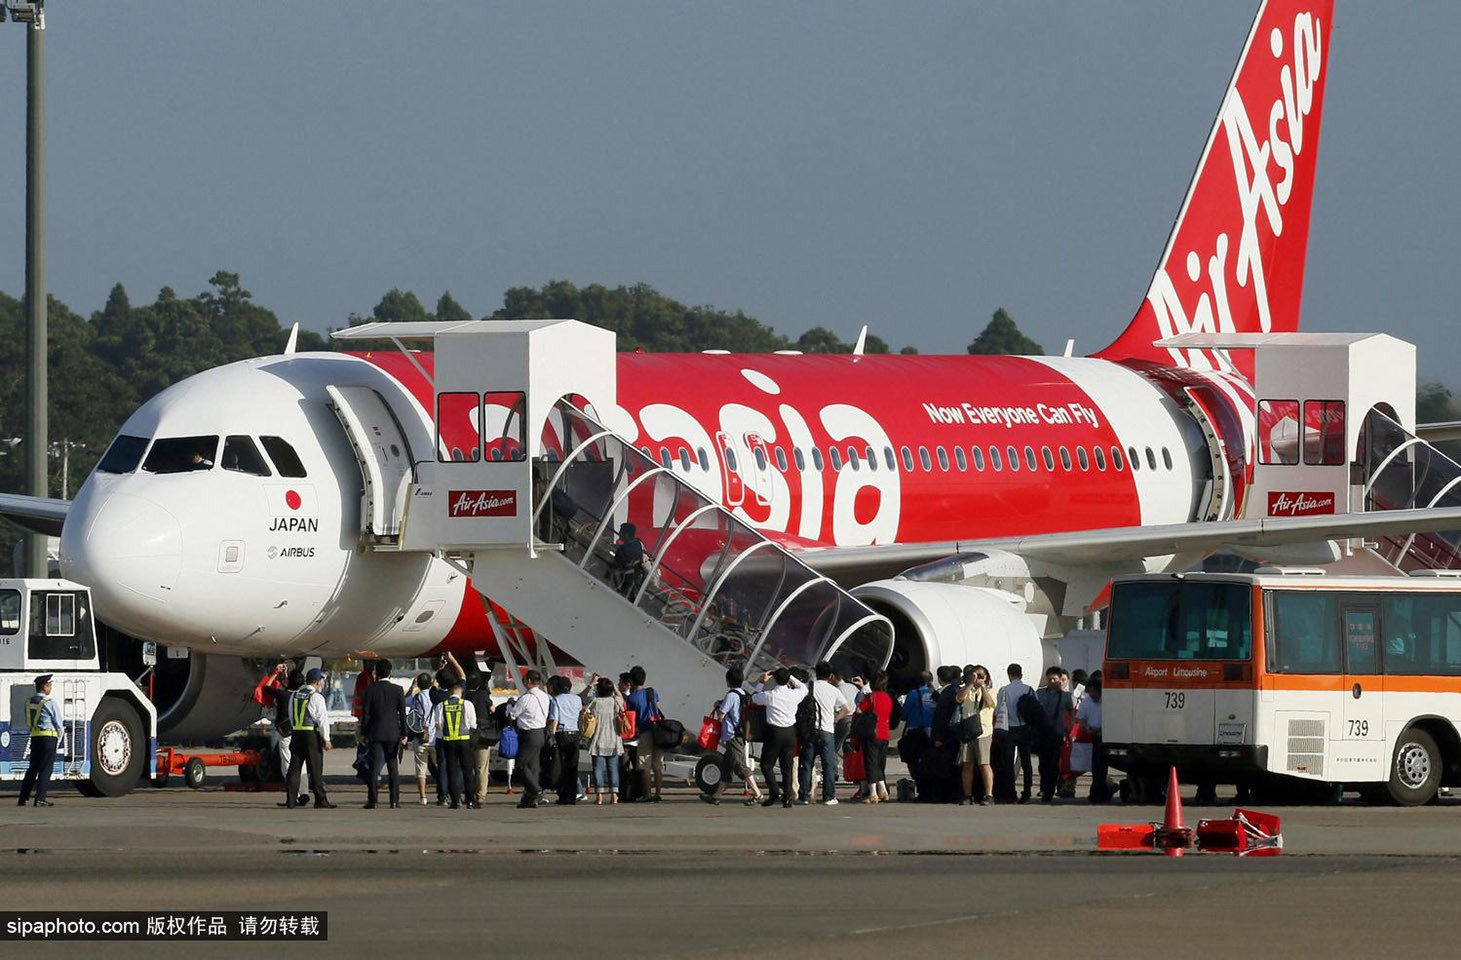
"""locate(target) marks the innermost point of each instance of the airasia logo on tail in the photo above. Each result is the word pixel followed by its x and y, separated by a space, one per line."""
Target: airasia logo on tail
pixel 1290 503
pixel 482 503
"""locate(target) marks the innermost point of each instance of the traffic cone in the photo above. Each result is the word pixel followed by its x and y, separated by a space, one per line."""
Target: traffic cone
pixel 1173 826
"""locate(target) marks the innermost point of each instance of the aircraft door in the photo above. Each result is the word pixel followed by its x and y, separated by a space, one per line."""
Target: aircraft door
pixel 383 454
pixel 759 469
pixel 735 489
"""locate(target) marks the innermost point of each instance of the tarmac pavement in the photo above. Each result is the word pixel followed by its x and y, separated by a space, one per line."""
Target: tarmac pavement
pixel 681 878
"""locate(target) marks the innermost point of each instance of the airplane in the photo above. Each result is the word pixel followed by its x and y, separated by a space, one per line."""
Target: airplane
pixel 225 518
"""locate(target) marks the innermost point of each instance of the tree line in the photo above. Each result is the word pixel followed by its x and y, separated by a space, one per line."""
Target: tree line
pixel 102 367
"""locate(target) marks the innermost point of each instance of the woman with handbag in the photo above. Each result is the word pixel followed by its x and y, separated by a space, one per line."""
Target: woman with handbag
pixel 874 734
pixel 976 733
pixel 605 745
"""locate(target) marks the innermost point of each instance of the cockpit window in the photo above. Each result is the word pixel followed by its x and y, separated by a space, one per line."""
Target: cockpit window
pixel 286 461
pixel 181 455
pixel 123 455
pixel 240 454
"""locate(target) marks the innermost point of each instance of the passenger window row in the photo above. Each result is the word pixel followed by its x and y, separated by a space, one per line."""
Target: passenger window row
pixel 997 459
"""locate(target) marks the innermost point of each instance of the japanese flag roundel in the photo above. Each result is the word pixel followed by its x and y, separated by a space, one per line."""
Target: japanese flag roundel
pixel 292 500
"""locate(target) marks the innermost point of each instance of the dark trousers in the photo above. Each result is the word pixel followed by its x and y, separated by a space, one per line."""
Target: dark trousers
pixel 1049 748
pixel 529 762
pixel 38 774
pixel 1099 771
pixel 305 748
pixel 823 745
pixel 438 750
pixel 780 746
pixel 875 760
pixel 568 766
pixel 1022 744
pixel 1003 762
pixel 458 771
pixel 387 753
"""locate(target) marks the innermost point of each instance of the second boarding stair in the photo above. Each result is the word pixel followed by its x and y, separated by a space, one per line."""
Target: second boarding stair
pixel 528 496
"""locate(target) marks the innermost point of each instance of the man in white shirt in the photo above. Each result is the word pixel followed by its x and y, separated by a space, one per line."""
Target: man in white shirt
pixel 1021 742
pixel 780 702
pixel 832 707
pixel 530 714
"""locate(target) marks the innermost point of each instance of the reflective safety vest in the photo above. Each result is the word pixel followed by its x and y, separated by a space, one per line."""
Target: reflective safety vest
pixel 299 709
pixel 34 707
pixel 452 712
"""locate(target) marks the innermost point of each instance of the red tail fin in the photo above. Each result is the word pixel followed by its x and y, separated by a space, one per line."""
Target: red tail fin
pixel 1235 259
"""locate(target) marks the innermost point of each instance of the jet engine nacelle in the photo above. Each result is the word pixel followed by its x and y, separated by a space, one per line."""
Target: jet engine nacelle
pixel 944 623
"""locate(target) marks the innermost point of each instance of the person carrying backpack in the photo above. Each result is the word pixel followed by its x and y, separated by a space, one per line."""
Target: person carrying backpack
pixel 731 712
pixel 644 701
pixel 817 718
pixel 418 729
pixel 1021 735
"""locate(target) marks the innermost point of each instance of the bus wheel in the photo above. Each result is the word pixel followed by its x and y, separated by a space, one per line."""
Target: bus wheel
pixel 711 772
pixel 118 749
pixel 1415 771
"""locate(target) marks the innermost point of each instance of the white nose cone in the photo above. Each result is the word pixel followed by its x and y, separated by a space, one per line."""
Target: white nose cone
pixel 129 551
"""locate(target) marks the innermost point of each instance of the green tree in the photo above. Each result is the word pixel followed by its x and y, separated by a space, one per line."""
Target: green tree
pixel 399 307
pixel 447 308
pixel 1001 336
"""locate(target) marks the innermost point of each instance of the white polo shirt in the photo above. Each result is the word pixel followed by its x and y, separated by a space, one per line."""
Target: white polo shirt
pixel 780 702
pixel 828 698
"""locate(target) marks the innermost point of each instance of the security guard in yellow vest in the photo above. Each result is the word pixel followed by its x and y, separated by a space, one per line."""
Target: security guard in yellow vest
pixel 311 736
pixel 43 717
pixel 452 721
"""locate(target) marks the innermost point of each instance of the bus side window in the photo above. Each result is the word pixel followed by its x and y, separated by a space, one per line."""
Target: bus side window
pixel 1359 642
pixel 1305 632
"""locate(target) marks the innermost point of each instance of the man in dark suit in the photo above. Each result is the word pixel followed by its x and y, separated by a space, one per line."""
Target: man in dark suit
pixel 383 727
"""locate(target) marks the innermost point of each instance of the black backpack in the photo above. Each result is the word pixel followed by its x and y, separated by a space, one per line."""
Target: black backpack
pixel 1030 712
pixel 806 718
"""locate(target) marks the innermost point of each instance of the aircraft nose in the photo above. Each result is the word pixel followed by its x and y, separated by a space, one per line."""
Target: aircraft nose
pixel 129 550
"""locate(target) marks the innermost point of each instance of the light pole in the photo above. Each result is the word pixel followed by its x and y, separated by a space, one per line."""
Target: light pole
pixel 33 15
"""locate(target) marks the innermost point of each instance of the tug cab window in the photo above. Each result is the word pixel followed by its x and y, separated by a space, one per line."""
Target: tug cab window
pixel 286 461
pixel 59 627
pixel 241 456
pixel 9 612
pixel 182 455
pixel 123 455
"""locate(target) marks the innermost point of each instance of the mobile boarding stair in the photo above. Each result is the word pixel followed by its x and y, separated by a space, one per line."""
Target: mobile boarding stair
pixel 532 481
pixel 1335 433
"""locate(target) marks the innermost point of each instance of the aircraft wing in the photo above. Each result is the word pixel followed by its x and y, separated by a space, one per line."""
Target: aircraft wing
pixel 1131 543
pixel 40 514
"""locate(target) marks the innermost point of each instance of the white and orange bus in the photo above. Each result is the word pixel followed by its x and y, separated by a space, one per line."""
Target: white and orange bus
pixel 1286 678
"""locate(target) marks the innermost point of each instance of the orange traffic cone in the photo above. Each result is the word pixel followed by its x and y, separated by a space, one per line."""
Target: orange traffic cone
pixel 1175 836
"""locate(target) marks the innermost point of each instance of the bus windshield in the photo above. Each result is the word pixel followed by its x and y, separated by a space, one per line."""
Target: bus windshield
pixel 1180 620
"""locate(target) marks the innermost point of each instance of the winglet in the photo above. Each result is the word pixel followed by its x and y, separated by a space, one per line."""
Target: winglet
pixel 289 347
pixel 861 342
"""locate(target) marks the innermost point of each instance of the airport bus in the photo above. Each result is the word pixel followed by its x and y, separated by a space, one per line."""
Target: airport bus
pixel 1284 679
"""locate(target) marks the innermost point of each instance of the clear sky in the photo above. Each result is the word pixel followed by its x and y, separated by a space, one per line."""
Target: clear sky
pixel 912 166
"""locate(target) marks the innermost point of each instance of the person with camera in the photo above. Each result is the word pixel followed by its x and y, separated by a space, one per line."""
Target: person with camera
pixel 976 740
pixel 780 702
pixel 418 729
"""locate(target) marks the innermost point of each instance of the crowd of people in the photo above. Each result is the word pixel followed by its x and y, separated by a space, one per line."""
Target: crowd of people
pixel 964 738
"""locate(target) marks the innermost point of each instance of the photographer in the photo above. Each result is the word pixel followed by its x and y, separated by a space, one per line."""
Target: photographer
pixel 780 702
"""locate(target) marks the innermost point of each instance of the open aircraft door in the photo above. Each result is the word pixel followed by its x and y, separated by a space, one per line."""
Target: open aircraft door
pixel 384 456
